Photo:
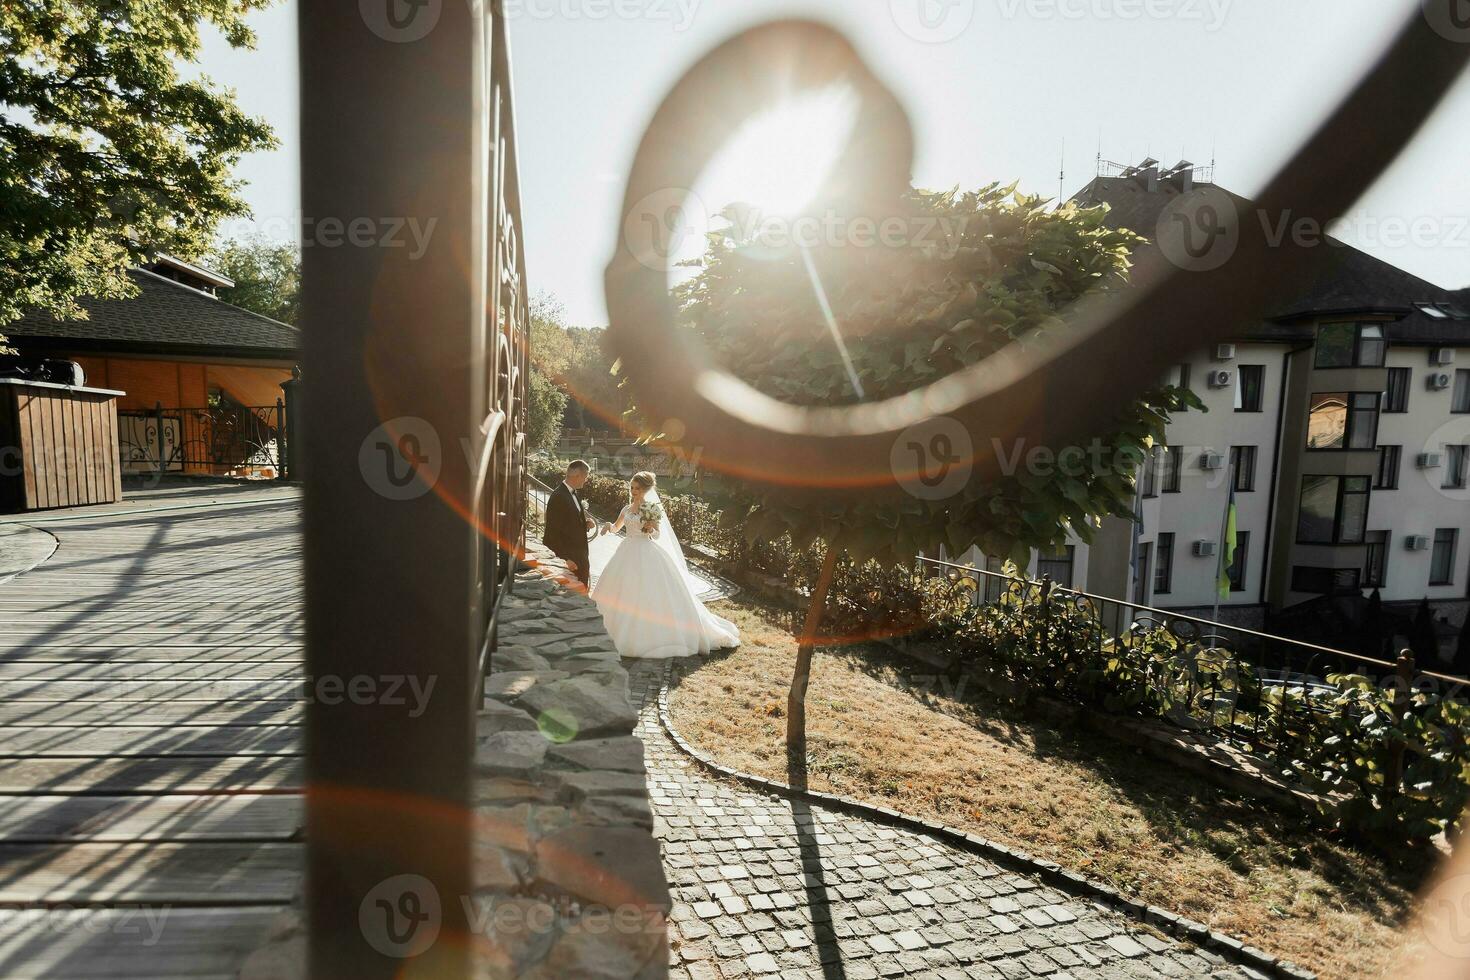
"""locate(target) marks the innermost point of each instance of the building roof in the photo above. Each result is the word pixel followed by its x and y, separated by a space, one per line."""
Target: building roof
pixel 166 317
pixel 1352 282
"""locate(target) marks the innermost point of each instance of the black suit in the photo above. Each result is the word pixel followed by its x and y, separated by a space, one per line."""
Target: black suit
pixel 566 529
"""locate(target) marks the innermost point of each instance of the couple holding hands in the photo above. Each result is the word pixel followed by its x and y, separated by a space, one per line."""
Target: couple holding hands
pixel 647 595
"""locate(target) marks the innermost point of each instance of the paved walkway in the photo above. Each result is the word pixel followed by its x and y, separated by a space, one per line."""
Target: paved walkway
pixel 765 886
pixel 150 771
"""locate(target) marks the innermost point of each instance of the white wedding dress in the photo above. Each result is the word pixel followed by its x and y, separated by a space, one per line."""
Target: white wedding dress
pixel 648 598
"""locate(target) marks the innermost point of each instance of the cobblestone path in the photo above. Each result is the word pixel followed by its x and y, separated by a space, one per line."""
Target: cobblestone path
pixel 764 886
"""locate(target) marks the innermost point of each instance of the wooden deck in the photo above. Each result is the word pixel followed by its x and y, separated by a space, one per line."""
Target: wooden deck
pixel 150 765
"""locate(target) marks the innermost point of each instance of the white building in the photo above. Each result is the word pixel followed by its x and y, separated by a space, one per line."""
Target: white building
pixel 1344 421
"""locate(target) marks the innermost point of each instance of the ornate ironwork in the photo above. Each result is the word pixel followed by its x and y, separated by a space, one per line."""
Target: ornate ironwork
pixel 413 445
pixel 1045 393
pixel 234 440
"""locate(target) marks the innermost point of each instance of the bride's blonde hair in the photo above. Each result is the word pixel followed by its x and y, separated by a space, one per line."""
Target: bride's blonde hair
pixel 645 479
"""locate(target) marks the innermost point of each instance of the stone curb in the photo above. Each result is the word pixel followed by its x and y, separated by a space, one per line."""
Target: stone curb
pixel 1195 932
pixel 24 548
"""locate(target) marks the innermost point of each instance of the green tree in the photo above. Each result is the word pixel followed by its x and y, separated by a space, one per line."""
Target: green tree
pixel 977 272
pixel 1424 637
pixel 551 354
pixel 107 153
pixel 1462 650
pixel 546 408
pixel 267 276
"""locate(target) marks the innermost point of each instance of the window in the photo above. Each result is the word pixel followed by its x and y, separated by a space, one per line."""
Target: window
pixel 1164 572
pixel 1173 460
pixel 1343 345
pixel 1343 420
pixel 1140 576
pixel 1057 565
pixel 1184 373
pixel 1387 476
pixel 1243 465
pixel 1396 399
pixel 1442 562
pixel 1236 571
pixel 1353 511
pixel 1325 581
pixel 1454 467
pixel 1375 562
pixel 1461 403
pixel 1250 380
pixel 1334 510
pixel 1151 473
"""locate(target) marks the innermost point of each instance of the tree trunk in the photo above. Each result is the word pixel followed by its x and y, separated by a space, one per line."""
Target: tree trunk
pixel 796 699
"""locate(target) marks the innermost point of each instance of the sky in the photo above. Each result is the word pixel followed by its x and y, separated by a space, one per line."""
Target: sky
pixel 997 90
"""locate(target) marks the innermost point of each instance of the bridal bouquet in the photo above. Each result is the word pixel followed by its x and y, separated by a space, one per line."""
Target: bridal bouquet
pixel 650 513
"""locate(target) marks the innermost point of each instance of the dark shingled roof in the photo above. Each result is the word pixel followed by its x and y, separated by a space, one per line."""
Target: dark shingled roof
pixel 166 317
pixel 1352 282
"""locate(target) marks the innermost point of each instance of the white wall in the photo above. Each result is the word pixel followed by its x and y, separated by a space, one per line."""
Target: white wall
pixel 1197 511
pixel 1420 505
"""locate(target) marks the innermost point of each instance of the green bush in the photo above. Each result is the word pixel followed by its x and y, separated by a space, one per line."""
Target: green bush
pixel 1346 737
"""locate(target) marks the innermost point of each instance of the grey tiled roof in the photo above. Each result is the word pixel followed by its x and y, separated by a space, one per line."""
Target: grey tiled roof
pixel 165 317
pixel 1351 282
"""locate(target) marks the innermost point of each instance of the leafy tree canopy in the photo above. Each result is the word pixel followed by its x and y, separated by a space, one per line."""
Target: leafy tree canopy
pixel 267 276
pixel 975 271
pixel 107 153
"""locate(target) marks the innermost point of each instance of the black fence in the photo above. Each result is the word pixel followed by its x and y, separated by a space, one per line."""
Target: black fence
pixel 236 440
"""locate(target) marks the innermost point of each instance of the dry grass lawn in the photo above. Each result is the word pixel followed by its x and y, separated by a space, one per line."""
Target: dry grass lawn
pixel 878 731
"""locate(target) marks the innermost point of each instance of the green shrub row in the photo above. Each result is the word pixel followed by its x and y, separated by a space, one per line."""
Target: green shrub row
pixel 1392 758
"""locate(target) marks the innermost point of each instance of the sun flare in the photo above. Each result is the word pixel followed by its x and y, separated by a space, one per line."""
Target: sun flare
pixel 778 161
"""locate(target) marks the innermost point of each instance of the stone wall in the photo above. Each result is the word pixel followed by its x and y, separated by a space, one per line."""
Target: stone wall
pixel 569 881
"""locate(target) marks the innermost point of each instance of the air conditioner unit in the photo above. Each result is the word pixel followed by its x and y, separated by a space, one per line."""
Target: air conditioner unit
pixel 1442 356
pixel 1417 542
pixel 1225 352
pixel 1430 461
pixel 1204 549
pixel 1220 379
pixel 1440 381
pixel 1211 461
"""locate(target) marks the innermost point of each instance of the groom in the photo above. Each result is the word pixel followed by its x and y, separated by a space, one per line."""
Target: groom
pixel 567 522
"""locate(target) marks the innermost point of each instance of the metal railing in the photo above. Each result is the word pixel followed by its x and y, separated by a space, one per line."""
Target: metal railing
pixel 232 440
pixel 1274 657
pixel 1269 694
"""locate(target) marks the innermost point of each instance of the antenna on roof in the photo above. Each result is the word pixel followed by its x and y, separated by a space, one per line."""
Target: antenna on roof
pixel 1062 174
pixel 1099 153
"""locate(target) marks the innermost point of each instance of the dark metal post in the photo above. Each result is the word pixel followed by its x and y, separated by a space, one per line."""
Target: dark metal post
pixel 158 427
pixel 393 128
pixel 1393 773
pixel 281 443
pixel 292 463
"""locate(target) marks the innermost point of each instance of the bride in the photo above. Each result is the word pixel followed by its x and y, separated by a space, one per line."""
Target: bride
pixel 646 593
